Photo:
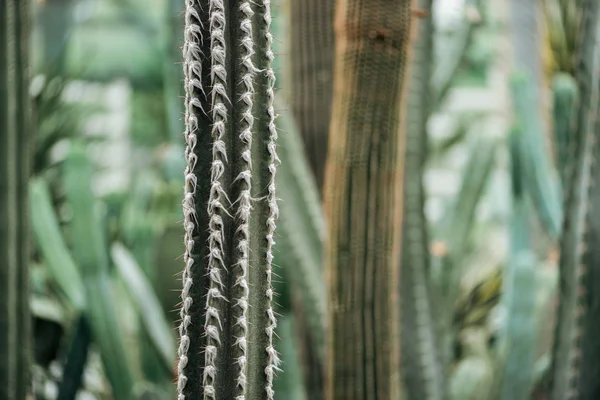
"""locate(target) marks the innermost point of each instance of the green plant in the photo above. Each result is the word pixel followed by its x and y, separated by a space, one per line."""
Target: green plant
pixel 364 185
pixel 575 350
pixel 422 356
pixel 227 319
pixel 308 72
pixel 15 140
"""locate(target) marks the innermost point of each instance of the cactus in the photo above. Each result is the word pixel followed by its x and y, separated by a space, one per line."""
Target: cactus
pixel 447 66
pixel 423 367
pixel 309 76
pixel 363 189
pixel 14 173
pixel 564 89
pixel 227 319
pixel 575 362
pixel 519 292
pixel 541 178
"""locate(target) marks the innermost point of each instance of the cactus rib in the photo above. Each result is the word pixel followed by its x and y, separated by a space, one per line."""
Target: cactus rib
pixel 423 369
pixel 14 174
pixel 227 276
pixel 364 185
pixel 575 362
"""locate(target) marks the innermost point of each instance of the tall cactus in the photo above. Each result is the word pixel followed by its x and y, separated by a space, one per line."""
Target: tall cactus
pixel 309 70
pixel 363 190
pixel 575 363
pixel 423 366
pixel 14 173
pixel 230 208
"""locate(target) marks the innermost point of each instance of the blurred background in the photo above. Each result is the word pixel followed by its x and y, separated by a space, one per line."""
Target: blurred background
pixel 108 73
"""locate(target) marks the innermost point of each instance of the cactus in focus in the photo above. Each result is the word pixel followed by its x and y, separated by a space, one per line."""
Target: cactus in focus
pixel 575 363
pixel 227 319
pixel 14 174
pixel 363 191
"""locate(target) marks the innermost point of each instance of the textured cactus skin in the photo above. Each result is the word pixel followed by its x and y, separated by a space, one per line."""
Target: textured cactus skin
pixel 14 174
pixel 363 191
pixel 422 361
pixel 227 320
pixel 575 365
pixel 310 76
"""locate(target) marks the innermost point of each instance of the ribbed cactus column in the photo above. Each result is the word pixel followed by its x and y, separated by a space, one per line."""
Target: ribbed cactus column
pixel 363 192
pixel 422 360
pixel 575 359
pixel 14 174
pixel 230 208
pixel 309 76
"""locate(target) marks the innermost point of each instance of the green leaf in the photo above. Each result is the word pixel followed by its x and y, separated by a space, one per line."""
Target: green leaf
pixel 90 252
pixel 146 302
pixel 49 238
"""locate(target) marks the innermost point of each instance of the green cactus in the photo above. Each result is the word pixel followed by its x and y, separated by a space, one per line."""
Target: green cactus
pixel 519 291
pixel 422 361
pixel 542 181
pixel 227 319
pixel 363 190
pixel 449 62
pixel 565 93
pixel 575 357
pixel 14 172
pixel 309 76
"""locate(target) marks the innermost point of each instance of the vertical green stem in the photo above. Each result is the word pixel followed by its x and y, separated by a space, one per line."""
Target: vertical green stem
pixel 309 76
pixel 14 175
pixel 423 366
pixel 227 320
pixel 575 361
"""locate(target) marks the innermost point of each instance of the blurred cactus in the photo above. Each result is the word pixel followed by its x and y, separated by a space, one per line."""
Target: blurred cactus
pixel 15 140
pixel 363 189
pixel 541 180
pixel 565 93
pixel 227 319
pixel 422 361
pixel 309 76
pixel 575 361
pixel 517 338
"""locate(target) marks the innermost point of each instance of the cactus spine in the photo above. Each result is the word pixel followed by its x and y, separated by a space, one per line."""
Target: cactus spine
pixel 575 363
pixel 363 191
pixel 14 173
pixel 229 206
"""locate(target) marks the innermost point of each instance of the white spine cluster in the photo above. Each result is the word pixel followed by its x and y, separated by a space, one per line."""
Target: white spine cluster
pixel 216 209
pixel 192 72
pixel 245 176
pixel 274 361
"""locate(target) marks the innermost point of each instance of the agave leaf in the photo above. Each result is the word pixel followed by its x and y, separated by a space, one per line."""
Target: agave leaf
pixel 90 252
pixel 146 302
pixel 457 224
pixel 55 252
